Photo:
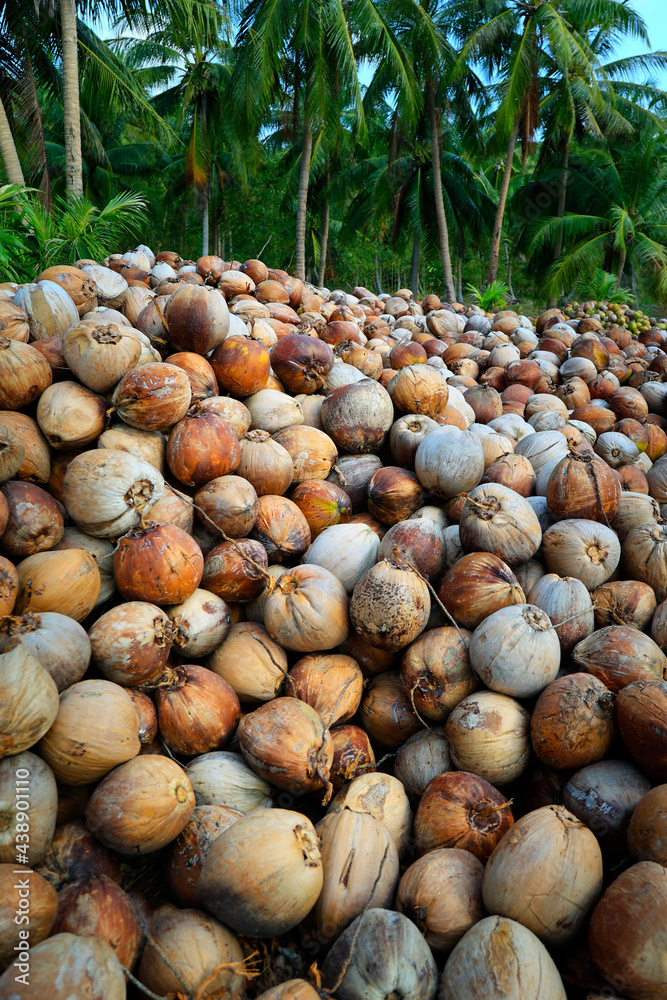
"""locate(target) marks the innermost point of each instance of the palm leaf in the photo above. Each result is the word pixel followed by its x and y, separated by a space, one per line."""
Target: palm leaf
pixel 109 74
pixel 583 258
pixel 569 227
pixel 518 85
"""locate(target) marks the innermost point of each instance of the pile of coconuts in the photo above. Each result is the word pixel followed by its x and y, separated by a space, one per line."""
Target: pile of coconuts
pixel 332 642
pixel 614 314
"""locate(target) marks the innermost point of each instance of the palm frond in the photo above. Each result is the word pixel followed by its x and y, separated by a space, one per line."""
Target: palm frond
pixel 569 227
pixel 493 298
pixel 111 77
pixel 582 259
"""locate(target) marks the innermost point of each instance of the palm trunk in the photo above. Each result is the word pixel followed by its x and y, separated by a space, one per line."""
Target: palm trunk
pixel 443 232
pixel 508 261
pixel 71 111
pixel 215 242
pixel 621 265
pixel 10 157
pixel 560 211
pixel 414 271
pixel 459 265
pixel 502 202
pixel 324 241
pixel 220 234
pixel 324 227
pixel 562 192
pixel 204 222
pixel 295 100
pixel 302 201
pixel 378 282
pixel 205 191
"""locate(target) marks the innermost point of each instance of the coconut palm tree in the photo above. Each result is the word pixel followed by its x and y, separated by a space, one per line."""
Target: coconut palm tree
pixel 423 35
pixel 187 57
pixel 395 188
pixel 10 157
pixel 578 107
pixel 601 105
pixel 510 38
pixel 69 51
pixel 8 150
pixel 18 92
pixel 335 145
pixel 69 44
pixel 119 144
pixel 72 112
pixel 20 25
pixel 317 42
pixel 443 232
pixel 464 98
pixel 391 197
pixel 427 45
pixel 336 152
pixel 33 75
pixel 621 191
pixel 281 133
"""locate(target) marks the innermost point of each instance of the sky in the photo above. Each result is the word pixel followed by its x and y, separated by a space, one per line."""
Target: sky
pixel 654 13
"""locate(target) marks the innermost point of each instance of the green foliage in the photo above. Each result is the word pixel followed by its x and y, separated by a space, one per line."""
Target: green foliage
pixel 619 213
pixel 32 239
pixel 492 299
pixel 604 287
pixel 13 238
